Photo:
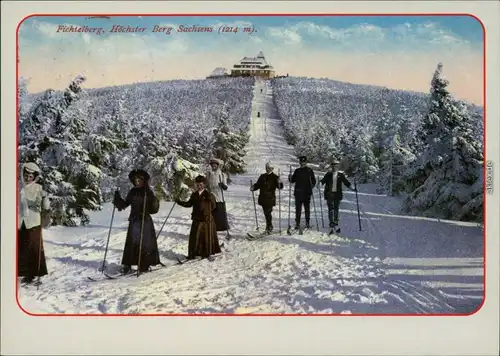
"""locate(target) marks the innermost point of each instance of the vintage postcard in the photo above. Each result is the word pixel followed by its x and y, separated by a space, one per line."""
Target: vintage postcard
pixel 253 165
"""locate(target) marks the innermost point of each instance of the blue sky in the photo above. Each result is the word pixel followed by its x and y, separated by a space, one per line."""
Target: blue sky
pixel 321 46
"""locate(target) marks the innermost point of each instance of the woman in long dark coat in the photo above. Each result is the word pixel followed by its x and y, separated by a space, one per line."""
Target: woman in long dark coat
pixel 141 234
pixel 32 199
pixel 203 239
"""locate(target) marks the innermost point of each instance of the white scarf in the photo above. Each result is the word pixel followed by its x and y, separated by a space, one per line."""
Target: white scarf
pixel 334 181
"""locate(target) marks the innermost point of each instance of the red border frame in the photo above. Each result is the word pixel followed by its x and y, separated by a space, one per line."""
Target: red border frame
pixel 261 15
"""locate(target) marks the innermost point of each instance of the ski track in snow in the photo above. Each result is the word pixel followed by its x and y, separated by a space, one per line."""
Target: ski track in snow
pixel 396 264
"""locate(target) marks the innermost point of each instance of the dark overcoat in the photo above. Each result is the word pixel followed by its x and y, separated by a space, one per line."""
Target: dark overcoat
pixel 140 211
pixel 203 239
pixel 267 185
pixel 304 180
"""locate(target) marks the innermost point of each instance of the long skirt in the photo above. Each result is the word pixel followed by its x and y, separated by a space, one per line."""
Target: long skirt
pixel 203 240
pixel 149 246
pixel 31 255
pixel 220 216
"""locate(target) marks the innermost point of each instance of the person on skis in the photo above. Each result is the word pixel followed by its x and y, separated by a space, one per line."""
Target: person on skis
pixel 203 239
pixel 267 184
pixel 304 180
pixel 141 235
pixel 32 199
pixel 216 184
pixel 333 181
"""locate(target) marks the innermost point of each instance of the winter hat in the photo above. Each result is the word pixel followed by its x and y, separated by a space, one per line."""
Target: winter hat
pixel 217 161
pixel 200 179
pixel 31 167
pixel 302 159
pixel 269 166
pixel 138 173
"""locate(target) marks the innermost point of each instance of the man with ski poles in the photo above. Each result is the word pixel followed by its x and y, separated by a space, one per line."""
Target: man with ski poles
pixel 268 183
pixel 333 195
pixel 304 180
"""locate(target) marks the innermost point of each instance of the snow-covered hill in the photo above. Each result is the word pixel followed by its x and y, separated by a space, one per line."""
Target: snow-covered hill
pixel 396 264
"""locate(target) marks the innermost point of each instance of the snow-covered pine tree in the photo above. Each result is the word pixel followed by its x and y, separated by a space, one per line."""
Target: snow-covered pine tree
pixel 106 142
pixel 357 157
pixel 385 127
pixel 22 94
pixel 409 125
pixel 393 162
pixel 229 146
pixel 75 180
pixel 152 151
pixel 444 183
pixel 51 136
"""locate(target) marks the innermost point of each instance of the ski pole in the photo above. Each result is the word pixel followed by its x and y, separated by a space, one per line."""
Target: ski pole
pixel 279 202
pixel 314 204
pixel 254 207
pixel 103 267
pixel 225 211
pixel 161 229
pixel 289 203
pixel 40 246
pixel 357 202
pixel 321 205
pixel 210 232
pixel 142 233
pixel 165 221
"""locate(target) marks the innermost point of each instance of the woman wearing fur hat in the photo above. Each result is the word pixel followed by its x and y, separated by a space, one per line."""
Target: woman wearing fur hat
pixel 203 240
pixel 141 234
pixel 216 183
pixel 32 199
pixel 267 184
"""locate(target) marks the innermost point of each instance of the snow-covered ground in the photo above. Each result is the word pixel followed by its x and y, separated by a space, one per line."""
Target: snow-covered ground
pixel 396 264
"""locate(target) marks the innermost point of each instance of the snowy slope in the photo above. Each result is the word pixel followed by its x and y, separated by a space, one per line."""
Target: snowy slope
pixel 397 264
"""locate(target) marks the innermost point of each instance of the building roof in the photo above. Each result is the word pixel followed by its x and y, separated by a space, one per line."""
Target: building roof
pixel 259 61
pixel 218 72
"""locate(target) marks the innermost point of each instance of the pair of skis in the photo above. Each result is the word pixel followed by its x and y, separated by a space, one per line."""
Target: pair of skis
pixel 109 276
pixel 185 260
pixel 257 236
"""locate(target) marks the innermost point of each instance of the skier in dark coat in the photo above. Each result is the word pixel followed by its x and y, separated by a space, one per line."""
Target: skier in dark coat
pixel 333 181
pixel 305 181
pixel 141 234
pixel 203 239
pixel 267 184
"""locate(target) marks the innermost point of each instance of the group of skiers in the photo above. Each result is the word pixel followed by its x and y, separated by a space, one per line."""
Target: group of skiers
pixel 206 201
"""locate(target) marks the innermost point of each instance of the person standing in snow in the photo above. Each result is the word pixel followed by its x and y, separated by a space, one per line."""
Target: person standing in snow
pixel 333 181
pixel 32 199
pixel 267 184
pixel 304 180
pixel 141 234
pixel 203 239
pixel 216 183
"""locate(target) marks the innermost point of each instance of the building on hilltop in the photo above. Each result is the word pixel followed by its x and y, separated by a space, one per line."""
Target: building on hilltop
pixel 218 72
pixel 253 67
